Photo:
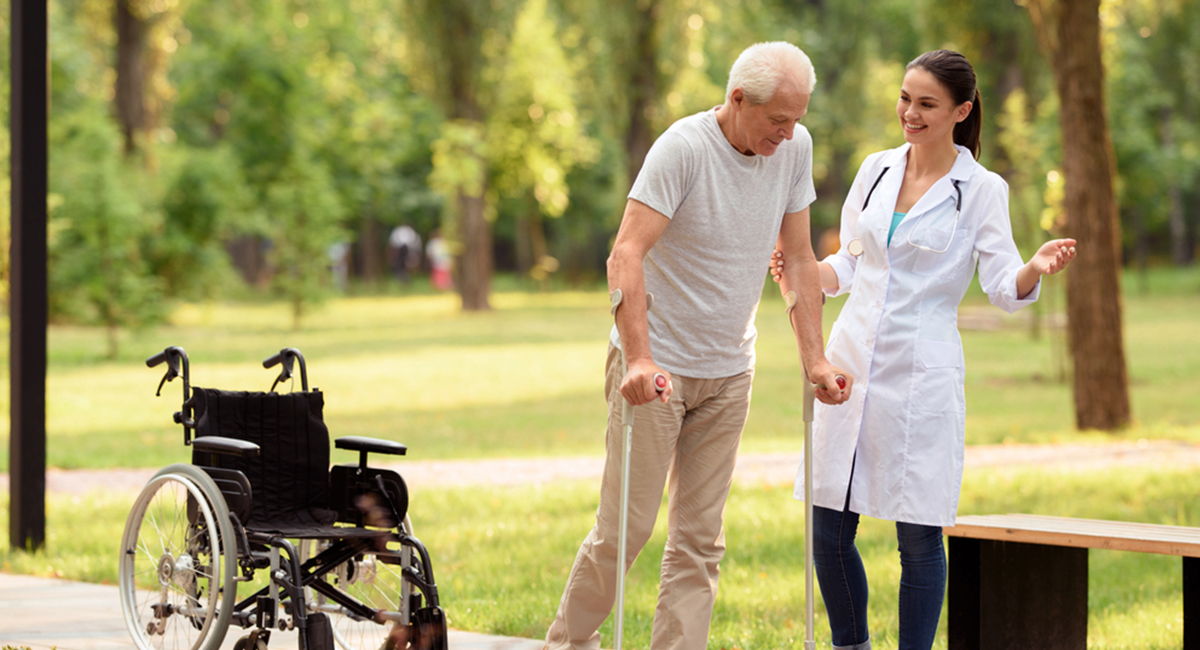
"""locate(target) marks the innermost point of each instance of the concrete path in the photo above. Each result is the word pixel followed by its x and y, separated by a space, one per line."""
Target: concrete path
pixel 752 468
pixel 44 613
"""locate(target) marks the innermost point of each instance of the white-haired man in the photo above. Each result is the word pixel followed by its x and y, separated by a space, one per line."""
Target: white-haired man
pixel 717 191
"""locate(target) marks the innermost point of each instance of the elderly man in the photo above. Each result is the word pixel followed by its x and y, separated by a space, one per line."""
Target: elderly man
pixel 717 191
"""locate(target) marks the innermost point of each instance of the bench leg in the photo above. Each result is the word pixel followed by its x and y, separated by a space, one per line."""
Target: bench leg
pixel 962 594
pixel 1191 603
pixel 1011 595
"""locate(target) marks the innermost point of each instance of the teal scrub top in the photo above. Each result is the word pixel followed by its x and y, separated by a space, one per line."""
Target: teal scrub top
pixel 897 217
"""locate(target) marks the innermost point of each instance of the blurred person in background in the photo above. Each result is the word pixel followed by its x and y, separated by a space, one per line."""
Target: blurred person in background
pixel 440 262
pixel 404 252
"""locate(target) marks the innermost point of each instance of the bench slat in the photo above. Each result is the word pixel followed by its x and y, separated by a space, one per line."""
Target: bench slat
pixel 1080 533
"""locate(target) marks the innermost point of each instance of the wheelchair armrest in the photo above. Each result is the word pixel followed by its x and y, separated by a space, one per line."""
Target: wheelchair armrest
pixel 221 445
pixel 361 444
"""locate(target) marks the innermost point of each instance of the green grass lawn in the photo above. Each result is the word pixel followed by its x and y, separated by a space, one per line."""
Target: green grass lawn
pixel 526 378
pixel 501 554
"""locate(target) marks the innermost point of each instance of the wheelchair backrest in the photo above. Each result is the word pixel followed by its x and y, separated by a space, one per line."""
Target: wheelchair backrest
pixel 290 476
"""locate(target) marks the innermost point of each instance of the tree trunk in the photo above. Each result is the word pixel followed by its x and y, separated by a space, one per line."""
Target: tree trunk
pixel 370 250
pixel 1176 221
pixel 474 272
pixel 543 266
pixel 249 259
pixel 522 247
pixel 1181 253
pixel 1190 229
pixel 131 73
pixel 834 183
pixel 1093 283
pixel 643 85
pixel 475 263
pixel 297 313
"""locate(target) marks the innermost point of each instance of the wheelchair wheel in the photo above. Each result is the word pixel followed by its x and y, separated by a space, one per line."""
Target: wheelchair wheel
pixel 177 563
pixel 378 583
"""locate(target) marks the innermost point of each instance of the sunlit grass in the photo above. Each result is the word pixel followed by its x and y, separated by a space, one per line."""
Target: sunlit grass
pixel 501 554
pixel 83 533
pixel 526 378
pixel 504 555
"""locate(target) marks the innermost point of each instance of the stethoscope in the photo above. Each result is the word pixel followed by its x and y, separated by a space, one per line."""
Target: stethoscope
pixel 855 247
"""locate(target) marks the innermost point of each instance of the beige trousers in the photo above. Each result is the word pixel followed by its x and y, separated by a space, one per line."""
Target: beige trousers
pixel 688 445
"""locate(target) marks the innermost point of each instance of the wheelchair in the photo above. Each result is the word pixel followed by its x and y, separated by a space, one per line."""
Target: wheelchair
pixel 331 547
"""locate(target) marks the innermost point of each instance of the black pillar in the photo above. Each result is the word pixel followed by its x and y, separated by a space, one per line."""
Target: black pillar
pixel 28 308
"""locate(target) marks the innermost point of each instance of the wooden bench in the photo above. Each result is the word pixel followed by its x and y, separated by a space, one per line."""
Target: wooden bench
pixel 1021 581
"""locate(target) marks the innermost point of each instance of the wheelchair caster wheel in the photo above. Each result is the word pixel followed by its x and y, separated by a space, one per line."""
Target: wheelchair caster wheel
pixel 250 642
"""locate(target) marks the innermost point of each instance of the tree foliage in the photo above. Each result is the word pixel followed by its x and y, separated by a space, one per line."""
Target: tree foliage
pixel 304 225
pixel 1154 95
pixel 98 271
pixel 523 122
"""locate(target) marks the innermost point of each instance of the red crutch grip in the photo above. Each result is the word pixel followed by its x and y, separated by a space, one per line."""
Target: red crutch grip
pixel 660 382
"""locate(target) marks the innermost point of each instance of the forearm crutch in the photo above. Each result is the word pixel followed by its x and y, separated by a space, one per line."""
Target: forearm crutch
pixel 809 398
pixel 660 383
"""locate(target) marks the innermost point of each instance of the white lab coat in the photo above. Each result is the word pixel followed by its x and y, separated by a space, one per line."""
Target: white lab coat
pixel 903 428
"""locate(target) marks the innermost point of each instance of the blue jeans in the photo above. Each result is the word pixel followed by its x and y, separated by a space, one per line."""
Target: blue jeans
pixel 843 580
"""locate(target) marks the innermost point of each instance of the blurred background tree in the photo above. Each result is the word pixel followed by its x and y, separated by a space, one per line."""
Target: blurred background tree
pixel 535 137
pixel 455 48
pixel 1071 33
pixel 99 274
pixel 257 147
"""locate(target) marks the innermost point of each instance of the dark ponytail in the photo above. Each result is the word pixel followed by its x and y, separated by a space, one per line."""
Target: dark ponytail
pixel 958 77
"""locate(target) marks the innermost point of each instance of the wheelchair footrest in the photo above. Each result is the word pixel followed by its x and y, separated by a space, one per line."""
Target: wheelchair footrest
pixel 429 629
pixel 320 632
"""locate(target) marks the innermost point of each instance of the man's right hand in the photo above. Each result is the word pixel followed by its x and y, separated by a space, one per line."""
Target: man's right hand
pixel 637 387
pixel 829 391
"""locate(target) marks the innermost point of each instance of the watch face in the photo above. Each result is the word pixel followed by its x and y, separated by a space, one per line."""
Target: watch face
pixel 855 247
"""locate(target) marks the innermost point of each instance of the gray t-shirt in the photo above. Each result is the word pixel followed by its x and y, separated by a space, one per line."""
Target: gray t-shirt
pixel 707 269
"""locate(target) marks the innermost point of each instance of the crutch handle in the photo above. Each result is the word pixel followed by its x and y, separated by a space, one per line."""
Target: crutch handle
pixel 617 296
pixel 660 382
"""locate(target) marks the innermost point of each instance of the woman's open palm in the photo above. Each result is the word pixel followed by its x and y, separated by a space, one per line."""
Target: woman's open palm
pixel 1054 256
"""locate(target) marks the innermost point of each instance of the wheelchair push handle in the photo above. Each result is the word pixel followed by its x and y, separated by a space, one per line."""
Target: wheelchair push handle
pixel 177 364
pixel 285 358
pixel 172 355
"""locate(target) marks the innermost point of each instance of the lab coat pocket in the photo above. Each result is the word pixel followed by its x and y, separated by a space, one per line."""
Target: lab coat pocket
pixel 939 354
pixel 938 241
pixel 941 376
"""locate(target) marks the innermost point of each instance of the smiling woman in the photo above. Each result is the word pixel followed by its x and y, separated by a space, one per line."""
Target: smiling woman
pixel 895 451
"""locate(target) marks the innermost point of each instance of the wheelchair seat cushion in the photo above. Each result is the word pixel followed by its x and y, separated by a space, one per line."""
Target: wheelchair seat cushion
pixel 290 476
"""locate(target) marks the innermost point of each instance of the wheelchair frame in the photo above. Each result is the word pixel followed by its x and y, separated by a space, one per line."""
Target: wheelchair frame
pixel 192 537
